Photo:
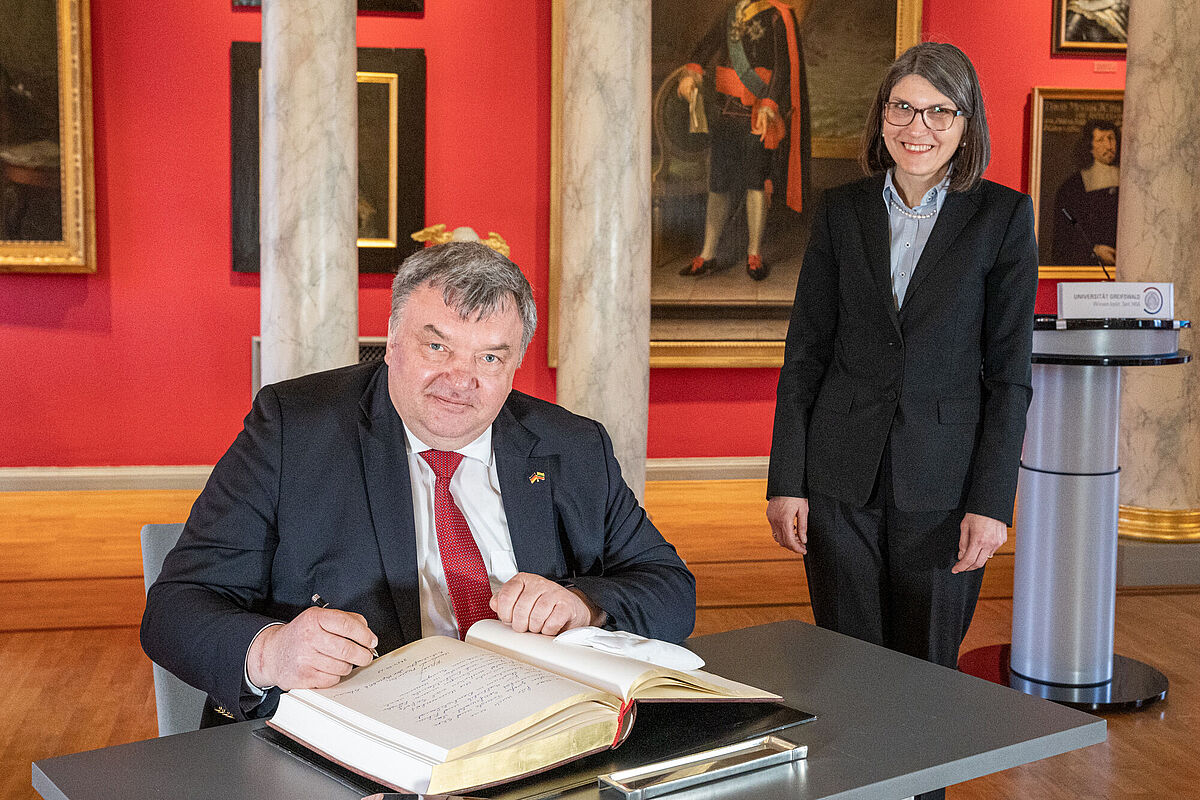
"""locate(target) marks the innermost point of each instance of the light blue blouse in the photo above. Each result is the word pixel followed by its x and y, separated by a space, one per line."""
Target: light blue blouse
pixel 909 235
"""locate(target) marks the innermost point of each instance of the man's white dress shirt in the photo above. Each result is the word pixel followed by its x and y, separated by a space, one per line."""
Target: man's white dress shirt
pixel 476 490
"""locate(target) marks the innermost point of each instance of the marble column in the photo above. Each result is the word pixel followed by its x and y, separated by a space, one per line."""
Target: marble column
pixel 309 187
pixel 604 296
pixel 1159 240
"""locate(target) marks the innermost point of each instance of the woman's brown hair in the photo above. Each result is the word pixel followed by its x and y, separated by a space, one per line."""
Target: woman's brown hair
pixel 952 74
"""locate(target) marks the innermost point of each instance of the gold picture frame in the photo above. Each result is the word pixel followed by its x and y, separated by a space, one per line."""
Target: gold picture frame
pixel 391 200
pixel 712 348
pixel 1083 30
pixel 390 82
pixel 1058 119
pixel 30 167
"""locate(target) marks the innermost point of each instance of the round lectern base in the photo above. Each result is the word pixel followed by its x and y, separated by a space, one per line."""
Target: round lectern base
pixel 1134 684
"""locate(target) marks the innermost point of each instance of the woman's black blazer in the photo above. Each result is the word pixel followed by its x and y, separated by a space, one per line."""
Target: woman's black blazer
pixel 943 382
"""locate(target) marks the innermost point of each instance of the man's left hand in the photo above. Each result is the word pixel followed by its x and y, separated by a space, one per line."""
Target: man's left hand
pixel 762 122
pixel 538 605
pixel 979 538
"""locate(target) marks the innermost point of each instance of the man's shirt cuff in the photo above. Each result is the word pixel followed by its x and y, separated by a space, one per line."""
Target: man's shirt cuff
pixel 248 684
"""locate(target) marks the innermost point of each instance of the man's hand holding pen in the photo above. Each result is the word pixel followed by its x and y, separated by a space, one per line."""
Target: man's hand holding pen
pixel 313 651
pixel 321 645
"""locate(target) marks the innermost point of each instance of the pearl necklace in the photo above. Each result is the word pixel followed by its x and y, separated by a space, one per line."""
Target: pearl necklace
pixel 910 214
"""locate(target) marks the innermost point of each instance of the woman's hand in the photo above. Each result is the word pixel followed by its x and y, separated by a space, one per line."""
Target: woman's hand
pixel 978 540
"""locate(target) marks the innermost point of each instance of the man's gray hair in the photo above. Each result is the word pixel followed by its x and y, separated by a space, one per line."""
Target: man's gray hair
pixel 475 280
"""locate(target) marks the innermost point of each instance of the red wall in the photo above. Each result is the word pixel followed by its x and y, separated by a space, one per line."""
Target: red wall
pixel 148 360
pixel 729 413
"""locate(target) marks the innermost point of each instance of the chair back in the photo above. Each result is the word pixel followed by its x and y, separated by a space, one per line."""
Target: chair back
pixel 179 706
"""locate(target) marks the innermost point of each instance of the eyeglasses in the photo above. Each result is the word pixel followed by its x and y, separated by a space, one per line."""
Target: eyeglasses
pixel 936 118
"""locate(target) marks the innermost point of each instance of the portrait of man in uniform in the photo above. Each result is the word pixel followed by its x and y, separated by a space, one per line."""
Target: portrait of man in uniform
pixel 757 107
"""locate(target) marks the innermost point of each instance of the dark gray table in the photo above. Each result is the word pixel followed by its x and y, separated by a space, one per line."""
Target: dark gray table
pixel 888 726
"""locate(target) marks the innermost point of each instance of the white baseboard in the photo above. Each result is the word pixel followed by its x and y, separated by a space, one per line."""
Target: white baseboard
pixel 77 479
pixel 706 469
pixel 34 479
pixel 1158 563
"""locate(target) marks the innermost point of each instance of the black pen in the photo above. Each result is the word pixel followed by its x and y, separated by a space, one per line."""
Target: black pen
pixel 321 602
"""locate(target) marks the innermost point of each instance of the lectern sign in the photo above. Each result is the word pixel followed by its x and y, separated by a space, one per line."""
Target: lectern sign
pixel 1109 300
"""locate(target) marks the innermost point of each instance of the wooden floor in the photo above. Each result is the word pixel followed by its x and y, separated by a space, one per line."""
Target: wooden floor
pixel 76 689
pixel 73 559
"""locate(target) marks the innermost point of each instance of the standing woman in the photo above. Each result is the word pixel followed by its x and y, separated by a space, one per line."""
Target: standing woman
pixel 906 378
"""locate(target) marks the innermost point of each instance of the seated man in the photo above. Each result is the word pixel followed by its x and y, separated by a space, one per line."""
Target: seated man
pixel 413 497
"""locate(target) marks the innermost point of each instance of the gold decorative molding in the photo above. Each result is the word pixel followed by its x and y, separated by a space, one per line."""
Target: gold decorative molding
pixel 558 46
pixel 439 235
pixel 908 24
pixel 1075 273
pixel 1158 524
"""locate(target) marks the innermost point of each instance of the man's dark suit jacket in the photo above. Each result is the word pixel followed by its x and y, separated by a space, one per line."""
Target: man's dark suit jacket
pixel 314 497
pixel 946 379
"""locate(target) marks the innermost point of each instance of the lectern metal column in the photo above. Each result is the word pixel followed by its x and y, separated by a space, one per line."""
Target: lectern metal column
pixel 1064 580
pixel 1064 575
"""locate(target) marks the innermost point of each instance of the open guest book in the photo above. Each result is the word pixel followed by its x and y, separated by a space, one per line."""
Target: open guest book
pixel 439 716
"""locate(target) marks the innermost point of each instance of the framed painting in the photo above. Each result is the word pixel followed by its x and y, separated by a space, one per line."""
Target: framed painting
pixel 47 211
pixel 395 6
pixel 1074 168
pixel 391 196
pixel 1090 26
pixel 730 314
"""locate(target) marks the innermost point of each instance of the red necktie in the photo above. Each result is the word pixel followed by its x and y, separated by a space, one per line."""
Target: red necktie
pixel 466 575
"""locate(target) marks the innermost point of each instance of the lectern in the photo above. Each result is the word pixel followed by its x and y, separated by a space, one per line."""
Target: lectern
pixel 1065 572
